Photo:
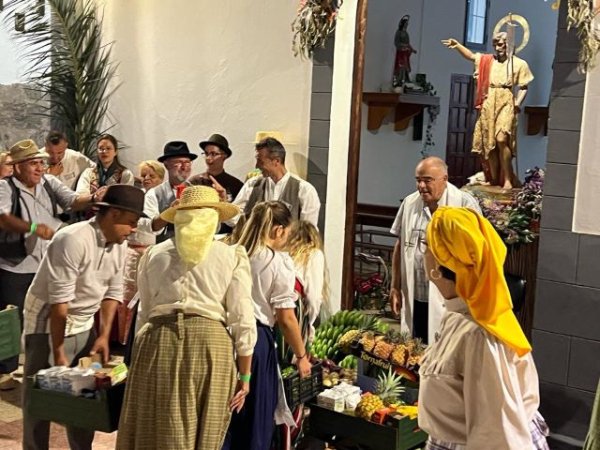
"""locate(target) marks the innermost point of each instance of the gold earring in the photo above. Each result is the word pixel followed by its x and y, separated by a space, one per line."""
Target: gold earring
pixel 435 274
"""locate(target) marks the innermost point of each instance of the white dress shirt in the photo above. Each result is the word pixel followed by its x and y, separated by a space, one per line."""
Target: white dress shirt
pixel 80 269
pixel 309 199
pixel 74 163
pixel 217 288
pixel 474 390
pixel 273 281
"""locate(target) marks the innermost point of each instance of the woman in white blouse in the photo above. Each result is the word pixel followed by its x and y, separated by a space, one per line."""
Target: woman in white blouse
pixel 183 383
pixel 478 382
pixel 264 236
pixel 108 169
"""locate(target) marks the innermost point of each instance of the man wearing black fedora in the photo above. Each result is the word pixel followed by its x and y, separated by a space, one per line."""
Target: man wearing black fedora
pixel 81 273
pixel 177 159
pixel 215 151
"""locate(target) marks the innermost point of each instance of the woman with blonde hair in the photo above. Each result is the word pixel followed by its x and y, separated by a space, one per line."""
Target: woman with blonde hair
pixel 6 168
pixel 152 173
pixel 305 247
pixel 264 236
pixel 478 383
pixel 183 382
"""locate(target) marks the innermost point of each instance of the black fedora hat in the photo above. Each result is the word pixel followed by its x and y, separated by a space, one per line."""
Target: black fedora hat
pixel 176 148
pixel 123 196
pixel 219 141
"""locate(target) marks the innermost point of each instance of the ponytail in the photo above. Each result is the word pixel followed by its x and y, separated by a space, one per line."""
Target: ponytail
pixel 264 217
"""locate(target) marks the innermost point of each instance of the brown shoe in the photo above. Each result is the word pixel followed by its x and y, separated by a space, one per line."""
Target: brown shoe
pixel 7 382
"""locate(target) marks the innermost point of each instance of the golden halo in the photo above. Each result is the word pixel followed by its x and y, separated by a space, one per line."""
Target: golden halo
pixel 521 21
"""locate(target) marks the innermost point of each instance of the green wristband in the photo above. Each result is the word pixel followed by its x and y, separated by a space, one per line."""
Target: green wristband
pixel 32 227
pixel 245 377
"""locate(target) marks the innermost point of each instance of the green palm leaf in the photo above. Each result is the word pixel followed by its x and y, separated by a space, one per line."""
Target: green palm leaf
pixel 67 62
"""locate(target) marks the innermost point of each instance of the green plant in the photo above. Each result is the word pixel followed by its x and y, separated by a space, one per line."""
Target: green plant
pixel 68 64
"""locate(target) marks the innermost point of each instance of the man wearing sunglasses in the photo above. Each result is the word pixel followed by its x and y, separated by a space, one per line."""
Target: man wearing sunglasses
pixel 412 297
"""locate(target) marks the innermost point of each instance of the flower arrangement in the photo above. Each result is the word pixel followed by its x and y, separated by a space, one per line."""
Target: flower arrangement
pixel 370 292
pixel 517 222
pixel 313 24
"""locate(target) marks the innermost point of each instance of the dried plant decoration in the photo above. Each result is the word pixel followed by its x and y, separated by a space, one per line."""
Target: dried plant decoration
pixel 313 24
pixel 581 15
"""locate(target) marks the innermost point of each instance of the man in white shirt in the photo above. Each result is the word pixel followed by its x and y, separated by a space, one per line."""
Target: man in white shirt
pixel 276 183
pixel 411 294
pixel 64 163
pixel 29 207
pixel 81 273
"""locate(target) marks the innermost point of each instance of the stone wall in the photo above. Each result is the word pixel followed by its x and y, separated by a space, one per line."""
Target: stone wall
pixel 566 336
pixel 20 115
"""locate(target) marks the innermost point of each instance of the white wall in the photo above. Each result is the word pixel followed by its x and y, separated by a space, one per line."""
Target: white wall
pixel 388 158
pixel 190 69
pixel 10 69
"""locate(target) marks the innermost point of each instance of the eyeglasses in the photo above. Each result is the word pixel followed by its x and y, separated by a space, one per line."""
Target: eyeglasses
pixel 212 154
pixel 417 239
pixel 425 180
pixel 104 149
pixel 36 163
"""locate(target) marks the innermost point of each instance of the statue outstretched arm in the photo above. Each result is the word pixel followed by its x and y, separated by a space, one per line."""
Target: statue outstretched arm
pixel 464 51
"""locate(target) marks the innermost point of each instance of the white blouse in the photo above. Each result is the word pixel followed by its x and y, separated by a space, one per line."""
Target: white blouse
pixel 474 390
pixel 273 281
pixel 218 288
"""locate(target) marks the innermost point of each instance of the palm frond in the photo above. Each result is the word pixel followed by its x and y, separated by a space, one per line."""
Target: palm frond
pixel 67 62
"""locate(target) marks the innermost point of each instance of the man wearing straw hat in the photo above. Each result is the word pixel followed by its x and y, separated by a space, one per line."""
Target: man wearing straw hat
pixel 29 207
pixel 80 274
pixel 277 183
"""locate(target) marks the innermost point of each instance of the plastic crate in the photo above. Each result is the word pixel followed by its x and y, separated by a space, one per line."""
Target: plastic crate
pixel 299 390
pixel 10 332
pixel 101 413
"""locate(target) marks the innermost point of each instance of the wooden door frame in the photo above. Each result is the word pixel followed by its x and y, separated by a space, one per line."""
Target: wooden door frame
pixel 354 155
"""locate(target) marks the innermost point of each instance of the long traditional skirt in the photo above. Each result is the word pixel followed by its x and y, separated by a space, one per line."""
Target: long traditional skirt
pixel 180 383
pixel 252 428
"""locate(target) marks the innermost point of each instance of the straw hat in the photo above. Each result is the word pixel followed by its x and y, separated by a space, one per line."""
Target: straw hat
pixel 195 197
pixel 26 150
pixel 260 135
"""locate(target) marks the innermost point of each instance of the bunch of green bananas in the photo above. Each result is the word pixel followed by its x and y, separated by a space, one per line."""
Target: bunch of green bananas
pixel 349 362
pixel 325 343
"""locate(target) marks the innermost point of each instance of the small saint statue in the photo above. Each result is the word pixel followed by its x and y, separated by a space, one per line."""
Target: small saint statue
pixel 403 53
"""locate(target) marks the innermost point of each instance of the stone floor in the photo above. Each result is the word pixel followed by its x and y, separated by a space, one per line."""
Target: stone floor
pixel 11 426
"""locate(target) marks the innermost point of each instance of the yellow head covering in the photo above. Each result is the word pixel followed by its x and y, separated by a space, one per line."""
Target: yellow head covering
pixel 466 243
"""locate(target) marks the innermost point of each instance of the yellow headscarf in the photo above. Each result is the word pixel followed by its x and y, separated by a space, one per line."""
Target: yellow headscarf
pixel 466 243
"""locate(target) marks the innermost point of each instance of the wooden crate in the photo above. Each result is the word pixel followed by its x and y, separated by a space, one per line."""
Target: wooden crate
pixel 324 424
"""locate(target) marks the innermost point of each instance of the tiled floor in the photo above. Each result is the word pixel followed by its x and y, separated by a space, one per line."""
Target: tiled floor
pixel 11 427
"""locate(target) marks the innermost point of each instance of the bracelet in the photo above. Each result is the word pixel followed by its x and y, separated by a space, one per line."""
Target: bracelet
pixel 244 377
pixel 301 357
pixel 33 227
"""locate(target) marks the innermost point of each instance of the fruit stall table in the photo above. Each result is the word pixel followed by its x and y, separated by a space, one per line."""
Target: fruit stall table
pixel 395 435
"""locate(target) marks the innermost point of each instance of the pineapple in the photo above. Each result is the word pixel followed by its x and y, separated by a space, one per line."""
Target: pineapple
pixel 389 388
pixel 369 323
pixel 368 341
pixel 416 352
pixel 387 391
pixel 400 352
pixel 369 403
pixel 383 350
pixel 347 339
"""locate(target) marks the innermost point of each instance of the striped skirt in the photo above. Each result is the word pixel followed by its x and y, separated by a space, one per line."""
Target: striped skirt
pixel 538 428
pixel 180 383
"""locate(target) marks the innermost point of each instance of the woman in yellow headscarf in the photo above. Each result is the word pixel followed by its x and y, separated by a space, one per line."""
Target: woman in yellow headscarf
pixel 479 385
